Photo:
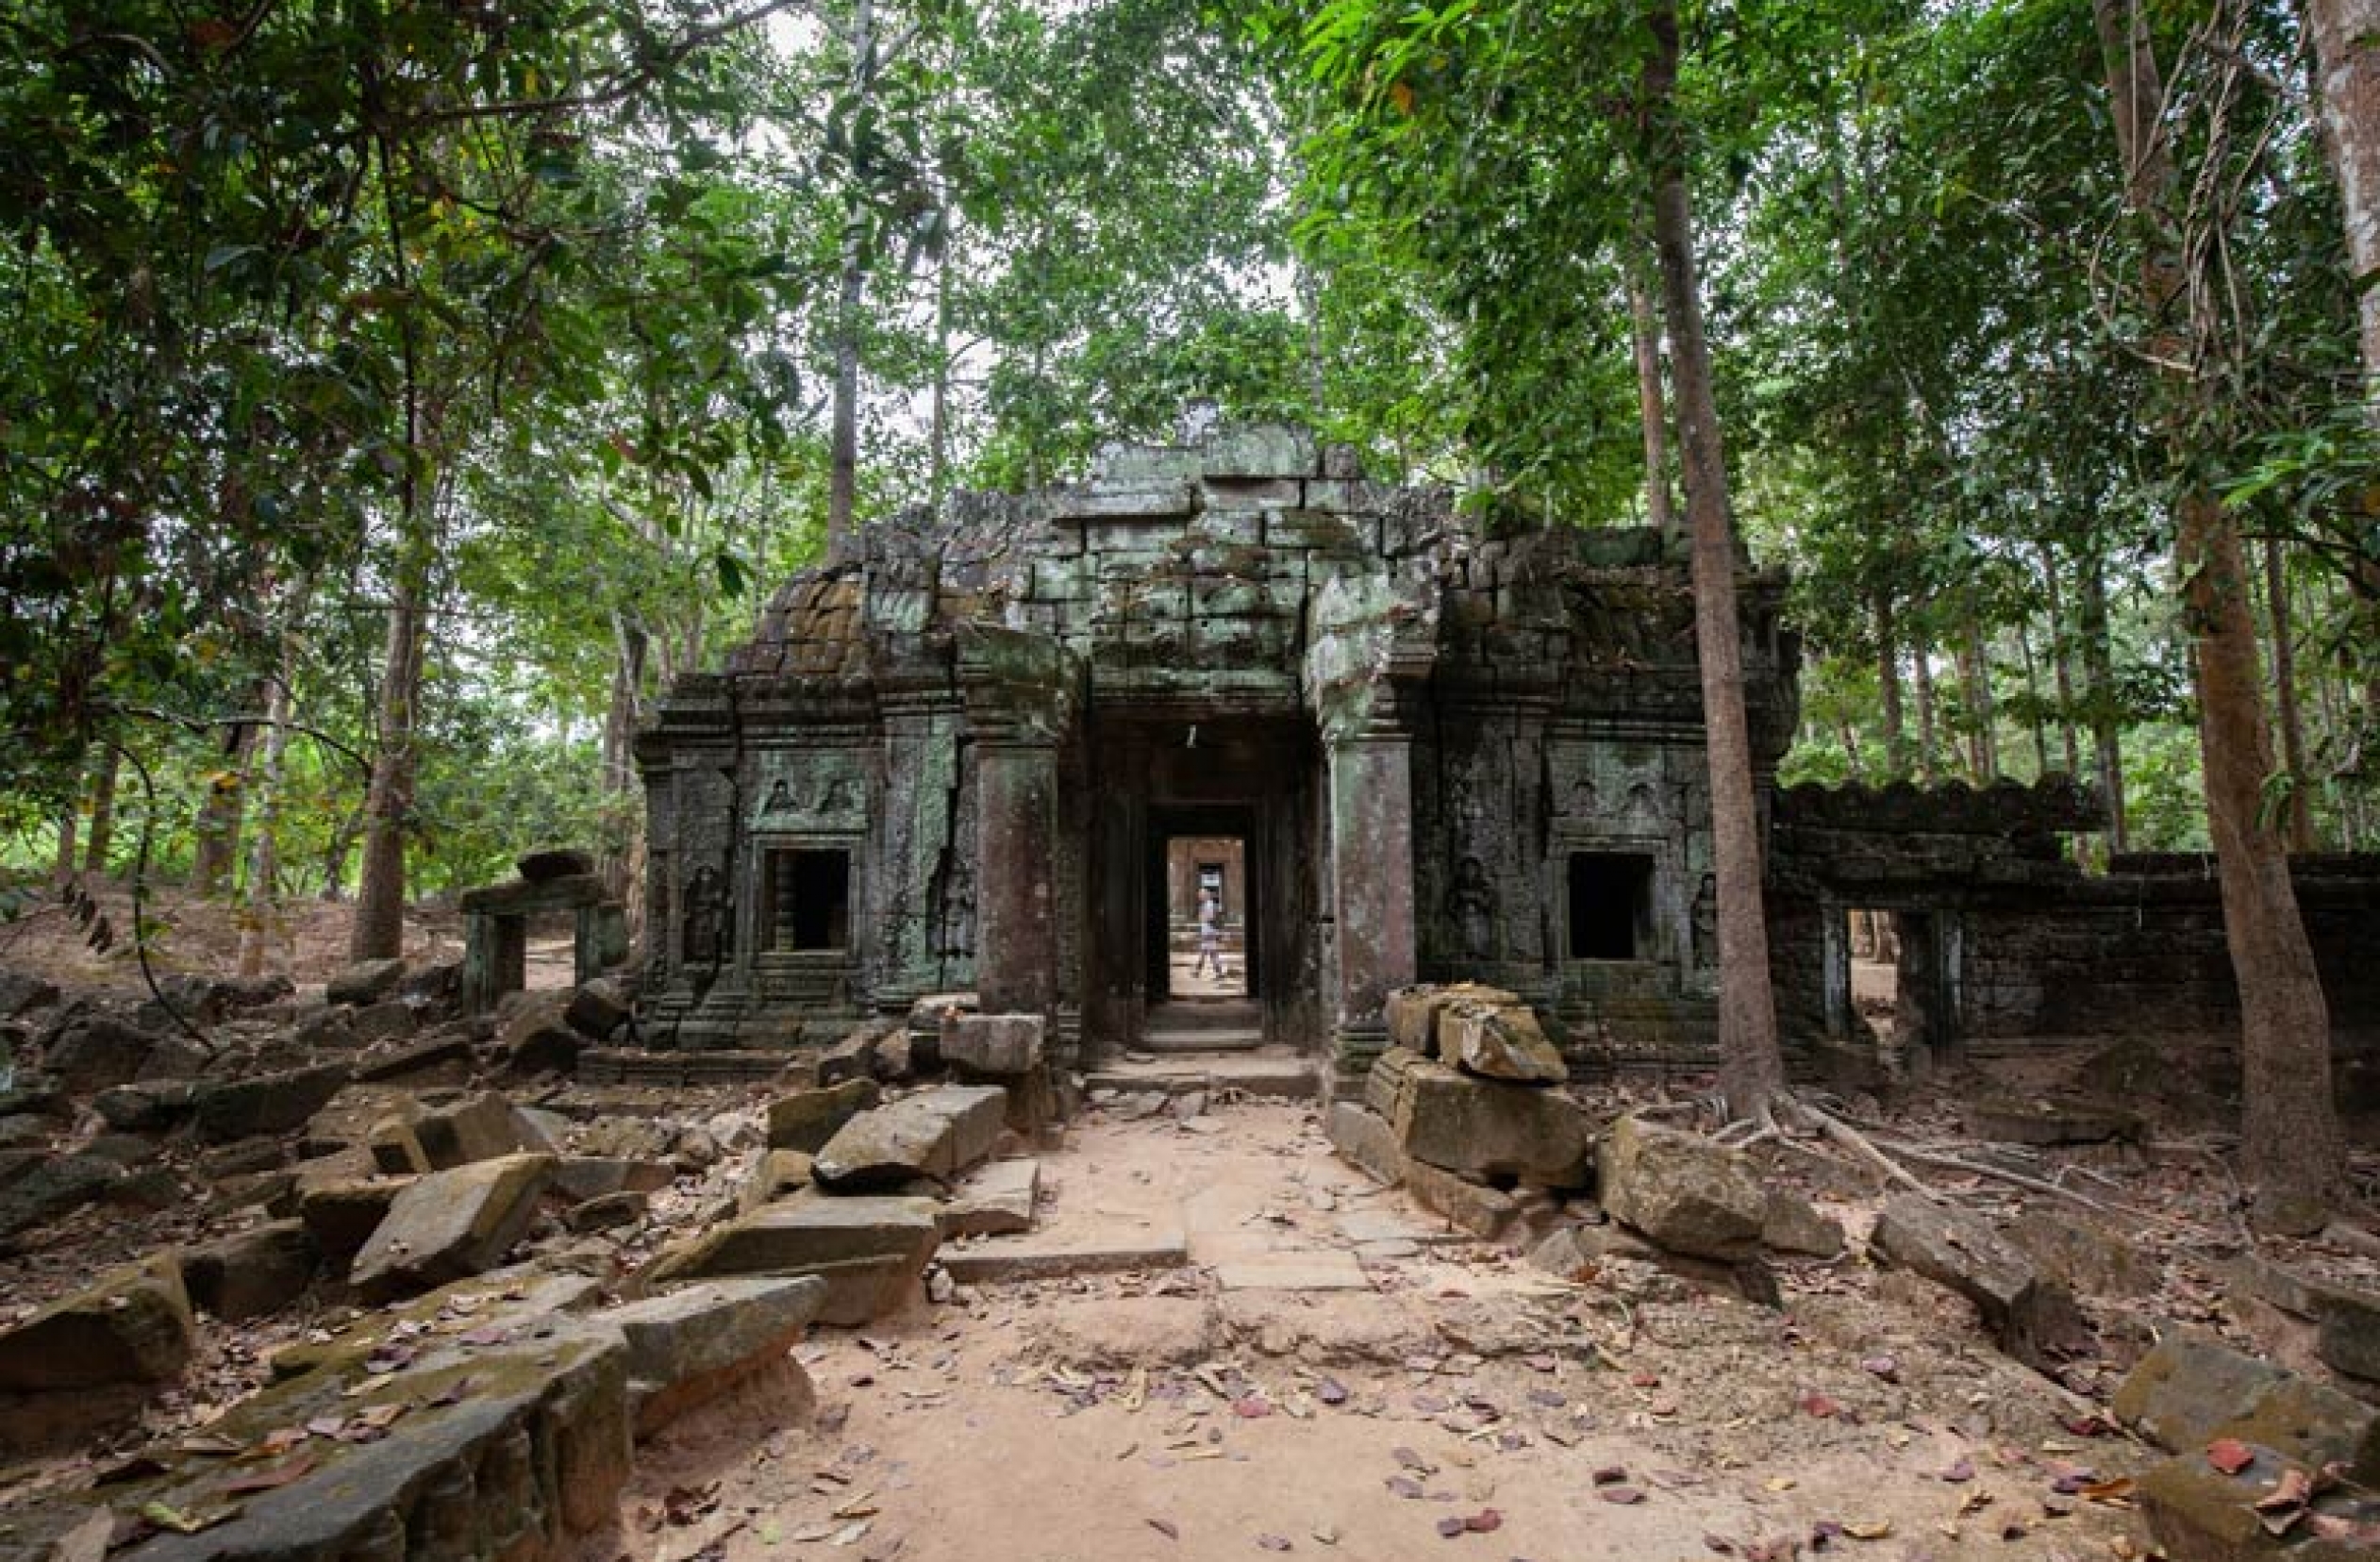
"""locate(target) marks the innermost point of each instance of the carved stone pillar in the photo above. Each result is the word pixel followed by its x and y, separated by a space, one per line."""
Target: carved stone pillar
pixel 1016 823
pixel 1372 887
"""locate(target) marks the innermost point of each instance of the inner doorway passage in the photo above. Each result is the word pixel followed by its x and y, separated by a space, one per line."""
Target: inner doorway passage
pixel 1206 917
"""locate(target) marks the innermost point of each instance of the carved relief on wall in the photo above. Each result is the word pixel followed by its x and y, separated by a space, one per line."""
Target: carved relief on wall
pixel 810 791
pixel 1471 905
pixel 711 919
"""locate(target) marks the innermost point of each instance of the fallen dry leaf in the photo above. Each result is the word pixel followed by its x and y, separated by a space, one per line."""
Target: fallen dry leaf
pixel 2230 1455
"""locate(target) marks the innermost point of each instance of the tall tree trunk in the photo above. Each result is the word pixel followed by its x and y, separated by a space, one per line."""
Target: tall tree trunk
pixel 2105 700
pixel 1926 768
pixel 378 932
pixel 264 850
pixel 1853 766
pixel 2290 1147
pixel 2299 817
pixel 2061 661
pixel 213 865
pixel 1974 669
pixel 1651 405
pixel 624 847
pixel 842 472
pixel 102 835
pixel 2033 700
pixel 69 822
pixel 2347 50
pixel 1752 1068
pixel 1896 732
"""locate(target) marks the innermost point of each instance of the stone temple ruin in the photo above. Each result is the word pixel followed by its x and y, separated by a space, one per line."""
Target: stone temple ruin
pixel 956 762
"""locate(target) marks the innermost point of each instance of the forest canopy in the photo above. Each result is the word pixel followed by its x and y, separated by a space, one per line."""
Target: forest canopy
pixel 399 394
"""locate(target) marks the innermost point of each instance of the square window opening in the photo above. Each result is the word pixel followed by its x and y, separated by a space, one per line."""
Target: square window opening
pixel 1610 904
pixel 809 899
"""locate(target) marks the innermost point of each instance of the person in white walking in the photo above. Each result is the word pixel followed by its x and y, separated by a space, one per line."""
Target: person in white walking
pixel 1209 936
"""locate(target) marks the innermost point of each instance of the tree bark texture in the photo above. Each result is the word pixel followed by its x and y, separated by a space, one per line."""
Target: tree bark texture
pixel 2289 721
pixel 2292 1152
pixel 219 818
pixel 842 475
pixel 264 851
pixel 101 838
pixel 1652 406
pixel 1896 731
pixel 1752 1068
pixel 2347 53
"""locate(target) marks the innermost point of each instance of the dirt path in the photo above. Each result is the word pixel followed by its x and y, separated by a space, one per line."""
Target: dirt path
pixel 1333 1373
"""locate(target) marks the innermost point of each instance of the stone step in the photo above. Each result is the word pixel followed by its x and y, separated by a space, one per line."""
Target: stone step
pixel 1203 1041
pixel 1286 1078
pixel 1184 1014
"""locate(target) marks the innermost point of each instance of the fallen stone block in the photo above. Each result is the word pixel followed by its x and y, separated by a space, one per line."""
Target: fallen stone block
pixel 343 1214
pixel 599 1008
pixel 871 1251
pixel 2082 1254
pixel 993 1043
pixel 2030 1315
pixel 778 1174
pixel 579 1178
pixel 481 1129
pixel 450 1224
pixel 1484 1128
pixel 2197 1513
pixel 806 1120
pixel 937 1134
pixel 96 1051
pixel 997 1201
pixel 534 1034
pixel 225 1110
pixel 2348 1331
pixel 1485 1212
pixel 442 1056
pixel 253 1273
pixel 2190 1391
pixel 55 1186
pixel 688 1347
pixel 148 1106
pixel 1413 1012
pixel 1790 1223
pixel 21 992
pixel 1499 1041
pixel 1680 1190
pixel 133 1326
pixel 2044 1122
pixel 853 1057
pixel 1364 1139
pixel 365 982
pixel 390 1019
pixel 625 1208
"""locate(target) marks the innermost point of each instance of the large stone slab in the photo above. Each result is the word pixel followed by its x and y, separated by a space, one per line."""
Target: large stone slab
pixel 1681 1191
pixel 1413 1012
pixel 871 1251
pixel 133 1326
pixel 2196 1513
pixel 2190 1391
pixel 1499 1041
pixel 806 1120
pixel 938 1132
pixel 688 1347
pixel 993 1043
pixel 451 1224
pixel 481 1129
pixel 55 1186
pixel 2029 1315
pixel 253 1272
pixel 225 1110
pixel 365 982
pixel 1480 1127
pixel 996 1201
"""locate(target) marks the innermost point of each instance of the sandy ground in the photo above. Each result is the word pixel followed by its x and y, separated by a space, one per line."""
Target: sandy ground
pixel 1243 1405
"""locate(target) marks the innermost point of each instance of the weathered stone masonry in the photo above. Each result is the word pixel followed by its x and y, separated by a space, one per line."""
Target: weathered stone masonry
pixel 953 763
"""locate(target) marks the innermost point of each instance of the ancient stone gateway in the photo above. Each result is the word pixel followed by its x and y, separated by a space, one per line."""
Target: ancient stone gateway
pixel 1432 749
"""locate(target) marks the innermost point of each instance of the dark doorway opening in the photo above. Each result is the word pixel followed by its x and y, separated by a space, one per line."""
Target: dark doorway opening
pixel 809 899
pixel 1610 904
pixel 1201 875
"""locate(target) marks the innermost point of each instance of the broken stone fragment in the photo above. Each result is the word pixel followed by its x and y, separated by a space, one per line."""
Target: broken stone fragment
pixel 871 1251
pixel 599 1008
pixel 1790 1223
pixel 937 1134
pixel 365 982
pixel 450 1224
pixel 534 1034
pixel 2029 1315
pixel 53 1185
pixel 2198 1513
pixel 1681 1191
pixel 998 1200
pixel 133 1326
pixel 1499 1041
pixel 625 1208
pixel 688 1347
pixel 480 1128
pixel 778 1174
pixel 853 1057
pixel 806 1120
pixel 97 1051
pixel 225 1110
pixel 2190 1391
pixel 1481 1127
pixel 1413 1011
pixel 2044 1122
pixel 253 1272
pixel 580 1178
pixel 993 1043
pixel 342 1214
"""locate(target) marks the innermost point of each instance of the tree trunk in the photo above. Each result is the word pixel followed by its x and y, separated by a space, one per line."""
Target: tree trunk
pixel 2299 815
pixel 69 819
pixel 2347 49
pixel 1927 769
pixel 1752 1068
pixel 102 836
pixel 842 475
pixel 264 850
pixel 2061 661
pixel 1896 732
pixel 378 933
pixel 213 866
pixel 2033 700
pixel 1652 406
pixel 2106 702
pixel 624 846
pixel 1983 742
pixel 2290 1149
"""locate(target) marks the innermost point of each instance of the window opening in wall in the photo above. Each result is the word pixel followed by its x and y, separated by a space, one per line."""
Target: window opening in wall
pixel 1874 942
pixel 808 895
pixel 1610 904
